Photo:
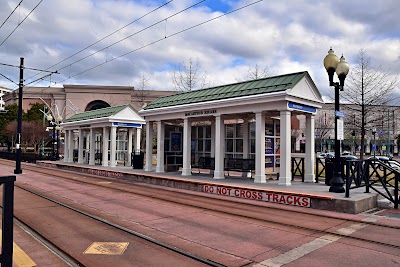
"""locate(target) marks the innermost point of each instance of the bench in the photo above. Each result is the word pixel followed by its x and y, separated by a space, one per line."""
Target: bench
pixel 204 163
pixel 173 163
pixel 240 165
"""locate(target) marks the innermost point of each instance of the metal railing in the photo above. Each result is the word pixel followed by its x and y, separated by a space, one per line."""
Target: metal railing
pixel 25 157
pixel 297 167
pixel 7 238
pixel 375 175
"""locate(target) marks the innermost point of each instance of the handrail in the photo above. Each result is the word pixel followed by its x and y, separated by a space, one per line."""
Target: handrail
pixel 7 220
pixel 381 177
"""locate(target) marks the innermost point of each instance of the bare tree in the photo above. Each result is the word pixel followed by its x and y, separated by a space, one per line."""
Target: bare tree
pixel 33 133
pixel 324 126
pixel 255 72
pixel 366 90
pixel 189 76
pixel 141 91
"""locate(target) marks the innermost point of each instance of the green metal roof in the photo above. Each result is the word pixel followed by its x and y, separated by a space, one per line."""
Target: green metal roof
pixel 247 88
pixel 97 113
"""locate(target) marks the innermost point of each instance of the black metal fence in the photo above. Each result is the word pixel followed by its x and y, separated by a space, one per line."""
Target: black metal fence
pixel 26 157
pixel 375 175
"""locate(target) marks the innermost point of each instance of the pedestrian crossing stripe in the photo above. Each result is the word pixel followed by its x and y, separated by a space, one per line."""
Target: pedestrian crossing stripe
pixel 20 258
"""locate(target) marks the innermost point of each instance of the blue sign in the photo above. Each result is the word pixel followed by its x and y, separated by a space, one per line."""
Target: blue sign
pixel 55 135
pixel 373 147
pixel 340 114
pixel 128 125
pixel 176 141
pixel 301 107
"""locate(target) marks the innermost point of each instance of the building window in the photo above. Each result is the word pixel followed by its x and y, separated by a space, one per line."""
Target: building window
pixel 234 140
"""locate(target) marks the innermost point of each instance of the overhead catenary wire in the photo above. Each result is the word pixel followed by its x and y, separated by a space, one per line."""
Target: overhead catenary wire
pixel 105 37
pixel 129 36
pixel 11 14
pixel 159 40
pixel 21 23
pixel 8 79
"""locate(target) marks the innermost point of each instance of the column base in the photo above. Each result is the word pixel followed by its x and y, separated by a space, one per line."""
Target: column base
pixel 219 175
pixel 309 178
pixel 285 181
pixel 160 169
pixel 148 168
pixel 186 172
pixel 260 179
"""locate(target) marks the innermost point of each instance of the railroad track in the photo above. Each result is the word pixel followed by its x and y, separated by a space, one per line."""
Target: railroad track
pixel 225 206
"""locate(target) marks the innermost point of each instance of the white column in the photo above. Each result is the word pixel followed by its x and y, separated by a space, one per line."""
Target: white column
pixel 285 175
pixel 260 149
pixel 71 146
pixel 187 144
pixel 87 150
pixel 212 139
pixel 309 174
pixel 137 139
pixel 245 138
pixel 66 145
pixel 219 172
pixel 149 147
pixel 76 138
pixel 92 146
pixel 130 136
pixel 113 139
pixel 160 146
pixel 105 147
pixel 80 145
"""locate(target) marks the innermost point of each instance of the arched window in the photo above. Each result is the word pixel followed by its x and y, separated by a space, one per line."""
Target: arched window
pixel 97 104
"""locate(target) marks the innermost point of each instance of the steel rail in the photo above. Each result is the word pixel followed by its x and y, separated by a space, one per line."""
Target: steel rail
pixel 129 231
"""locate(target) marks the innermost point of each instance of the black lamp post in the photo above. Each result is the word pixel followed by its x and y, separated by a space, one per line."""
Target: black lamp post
pixel 332 64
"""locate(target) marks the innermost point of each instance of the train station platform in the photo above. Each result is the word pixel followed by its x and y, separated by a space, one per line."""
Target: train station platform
pixel 309 195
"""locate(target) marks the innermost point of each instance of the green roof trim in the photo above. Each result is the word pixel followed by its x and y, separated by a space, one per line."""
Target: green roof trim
pixel 247 88
pixel 96 114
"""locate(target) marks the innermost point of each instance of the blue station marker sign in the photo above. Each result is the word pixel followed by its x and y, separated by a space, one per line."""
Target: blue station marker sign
pixel 301 107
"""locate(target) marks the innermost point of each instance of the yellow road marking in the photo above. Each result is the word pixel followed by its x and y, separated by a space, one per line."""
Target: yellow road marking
pixel 107 248
pixel 20 258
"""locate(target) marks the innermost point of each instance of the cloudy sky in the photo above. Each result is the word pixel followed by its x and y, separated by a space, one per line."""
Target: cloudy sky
pixel 284 36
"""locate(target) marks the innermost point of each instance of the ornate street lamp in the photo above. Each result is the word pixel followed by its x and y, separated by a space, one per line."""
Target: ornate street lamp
pixel 49 118
pixel 332 64
pixel 58 128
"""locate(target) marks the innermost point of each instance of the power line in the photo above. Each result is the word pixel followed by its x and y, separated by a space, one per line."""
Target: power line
pixel 159 40
pixel 8 79
pixel 11 13
pixel 146 28
pixel 129 36
pixel 83 49
pixel 21 22
pixel 9 65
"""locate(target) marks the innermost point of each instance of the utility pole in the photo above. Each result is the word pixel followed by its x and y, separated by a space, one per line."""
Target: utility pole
pixel 388 144
pixel 18 154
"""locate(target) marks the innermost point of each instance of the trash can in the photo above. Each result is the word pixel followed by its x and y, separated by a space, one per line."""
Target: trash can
pixel 137 159
pixel 329 170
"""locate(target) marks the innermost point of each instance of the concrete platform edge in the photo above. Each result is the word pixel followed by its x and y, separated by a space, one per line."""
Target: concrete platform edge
pixel 320 202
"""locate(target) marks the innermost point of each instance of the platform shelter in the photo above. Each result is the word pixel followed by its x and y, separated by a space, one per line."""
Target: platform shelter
pixel 273 100
pixel 108 135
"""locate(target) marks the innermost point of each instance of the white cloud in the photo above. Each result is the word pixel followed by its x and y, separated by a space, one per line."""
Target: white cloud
pixel 286 36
